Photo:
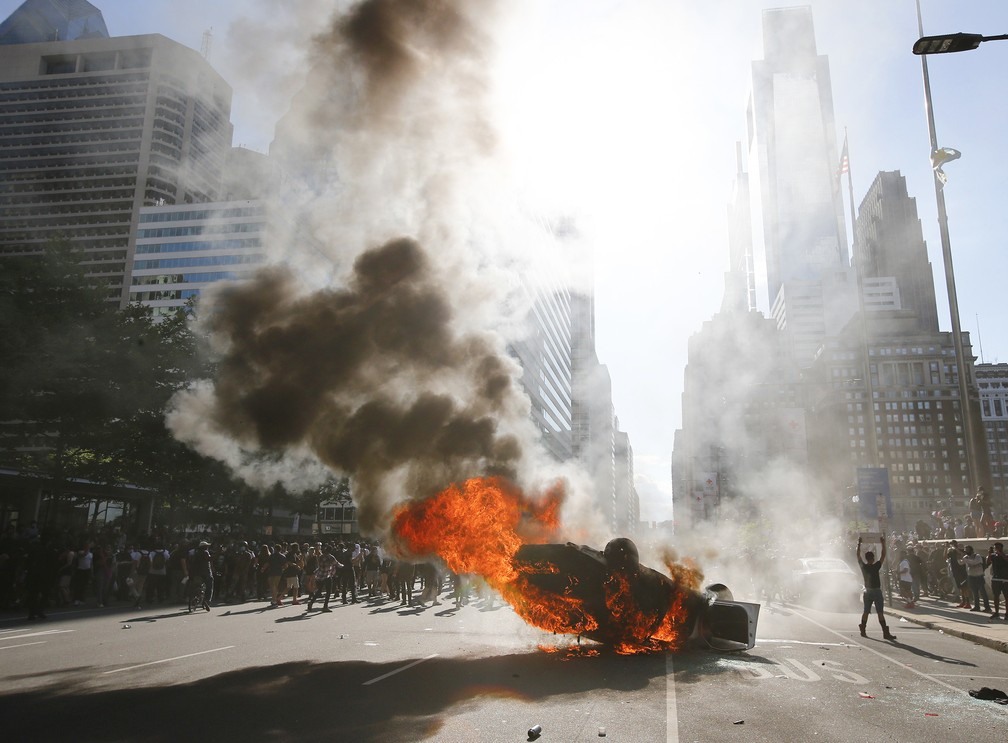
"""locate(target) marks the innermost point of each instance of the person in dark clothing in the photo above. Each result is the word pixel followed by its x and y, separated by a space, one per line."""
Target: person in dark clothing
pixel 918 574
pixel 405 577
pixel 873 588
pixel 347 575
pixel 200 571
pixel 39 573
pixel 998 562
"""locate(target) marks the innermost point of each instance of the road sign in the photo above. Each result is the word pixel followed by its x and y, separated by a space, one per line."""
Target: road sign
pixel 874 496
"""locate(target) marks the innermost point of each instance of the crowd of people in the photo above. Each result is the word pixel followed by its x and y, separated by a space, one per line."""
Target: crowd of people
pixel 38 571
pixel 954 572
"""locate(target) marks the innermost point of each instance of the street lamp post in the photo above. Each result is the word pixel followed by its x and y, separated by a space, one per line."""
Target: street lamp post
pixel 948 43
pixel 937 45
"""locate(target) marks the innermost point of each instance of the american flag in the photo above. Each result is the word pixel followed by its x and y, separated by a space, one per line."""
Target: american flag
pixel 844 160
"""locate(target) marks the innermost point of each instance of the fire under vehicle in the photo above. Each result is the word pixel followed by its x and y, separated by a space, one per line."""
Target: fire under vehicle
pixel 611 598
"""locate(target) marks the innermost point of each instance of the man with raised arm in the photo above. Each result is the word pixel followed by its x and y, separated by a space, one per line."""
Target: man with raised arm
pixel 873 587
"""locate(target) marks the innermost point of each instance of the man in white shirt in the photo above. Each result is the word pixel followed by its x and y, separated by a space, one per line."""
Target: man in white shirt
pixel 906 580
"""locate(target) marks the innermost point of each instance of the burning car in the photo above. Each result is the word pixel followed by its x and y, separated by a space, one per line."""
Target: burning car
pixel 609 597
pixel 488 527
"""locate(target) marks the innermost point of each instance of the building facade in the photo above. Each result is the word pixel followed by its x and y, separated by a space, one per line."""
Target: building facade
pixel 792 147
pixel 92 130
pixel 180 250
pixel 992 380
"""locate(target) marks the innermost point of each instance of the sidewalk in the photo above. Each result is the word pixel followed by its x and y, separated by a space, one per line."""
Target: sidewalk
pixel 976 626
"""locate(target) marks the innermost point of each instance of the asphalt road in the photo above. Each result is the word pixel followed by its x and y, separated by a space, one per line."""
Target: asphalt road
pixel 381 672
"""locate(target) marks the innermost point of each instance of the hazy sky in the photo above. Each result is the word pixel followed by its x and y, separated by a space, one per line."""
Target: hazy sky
pixel 626 114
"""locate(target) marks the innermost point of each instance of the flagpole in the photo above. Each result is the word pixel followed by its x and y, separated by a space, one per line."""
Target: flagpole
pixel 850 188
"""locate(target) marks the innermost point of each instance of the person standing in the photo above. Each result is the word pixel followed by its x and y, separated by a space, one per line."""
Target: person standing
pixel 274 568
pixel 200 569
pixel 976 511
pixel 999 577
pixel 873 588
pixel 975 565
pixel 82 575
pixel 348 576
pixel 38 578
pixel 156 585
pixel 906 579
pixel 328 567
pixel 957 571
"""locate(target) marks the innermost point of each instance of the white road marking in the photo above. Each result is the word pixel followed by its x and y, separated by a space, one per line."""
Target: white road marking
pixel 803 642
pixel 398 670
pixel 36 634
pixel 971 676
pixel 167 660
pixel 671 711
pixel 23 645
pixel 881 655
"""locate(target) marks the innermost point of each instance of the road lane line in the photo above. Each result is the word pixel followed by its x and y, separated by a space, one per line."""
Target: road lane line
pixel 805 642
pixel 671 711
pixel 880 655
pixel 23 645
pixel 37 634
pixel 398 670
pixel 167 660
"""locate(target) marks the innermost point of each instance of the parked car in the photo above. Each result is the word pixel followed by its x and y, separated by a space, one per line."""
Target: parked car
pixel 826 582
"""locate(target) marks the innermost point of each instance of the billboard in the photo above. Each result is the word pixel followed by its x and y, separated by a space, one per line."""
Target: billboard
pixel 874 498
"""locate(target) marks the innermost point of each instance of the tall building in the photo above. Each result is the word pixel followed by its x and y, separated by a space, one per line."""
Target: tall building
pixel 93 128
pixel 180 250
pixel 889 245
pixel 545 357
pixel 53 20
pixel 908 416
pixel 792 139
pixel 992 380
pixel 917 412
pixel 740 281
pixel 792 146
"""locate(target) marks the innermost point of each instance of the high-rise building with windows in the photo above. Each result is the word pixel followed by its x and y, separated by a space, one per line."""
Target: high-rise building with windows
pixel 792 139
pixel 180 250
pixel 992 380
pixel 889 247
pixel 792 147
pixel 93 128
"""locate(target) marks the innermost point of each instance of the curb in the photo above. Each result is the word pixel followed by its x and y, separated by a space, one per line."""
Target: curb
pixel 990 642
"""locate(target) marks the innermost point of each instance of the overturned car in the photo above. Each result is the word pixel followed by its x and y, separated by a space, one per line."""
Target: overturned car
pixel 609 597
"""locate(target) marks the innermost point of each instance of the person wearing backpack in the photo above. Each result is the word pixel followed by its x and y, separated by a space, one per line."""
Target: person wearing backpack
pixel 157 578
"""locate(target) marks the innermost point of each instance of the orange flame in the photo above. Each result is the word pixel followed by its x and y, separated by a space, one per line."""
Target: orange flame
pixel 479 526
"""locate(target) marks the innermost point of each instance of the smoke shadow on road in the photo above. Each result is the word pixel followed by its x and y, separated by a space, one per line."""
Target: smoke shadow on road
pixel 314 701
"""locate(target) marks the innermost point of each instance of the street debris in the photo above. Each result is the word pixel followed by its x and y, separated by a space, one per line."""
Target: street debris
pixel 865 695
pixel 988 694
pixel 534 732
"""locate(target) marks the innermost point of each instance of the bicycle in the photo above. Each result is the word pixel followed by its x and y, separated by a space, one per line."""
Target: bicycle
pixel 197 594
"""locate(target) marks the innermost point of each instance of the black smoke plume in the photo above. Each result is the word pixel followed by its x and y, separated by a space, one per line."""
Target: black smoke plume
pixel 391 373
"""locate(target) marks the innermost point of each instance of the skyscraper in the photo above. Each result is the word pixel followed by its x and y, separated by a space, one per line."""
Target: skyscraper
pixel 93 128
pixel 792 141
pixel 889 242
pixel 53 20
pixel 792 146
